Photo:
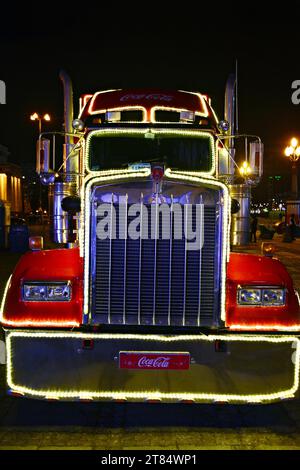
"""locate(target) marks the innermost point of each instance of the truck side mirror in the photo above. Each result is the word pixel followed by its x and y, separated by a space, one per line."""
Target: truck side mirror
pixel 256 158
pixel 71 205
pixel 43 156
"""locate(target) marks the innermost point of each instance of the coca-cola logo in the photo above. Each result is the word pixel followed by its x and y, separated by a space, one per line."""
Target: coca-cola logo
pixel 149 97
pixel 154 363
pixel 149 361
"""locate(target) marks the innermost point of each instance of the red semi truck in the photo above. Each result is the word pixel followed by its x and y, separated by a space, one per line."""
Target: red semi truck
pixel 143 299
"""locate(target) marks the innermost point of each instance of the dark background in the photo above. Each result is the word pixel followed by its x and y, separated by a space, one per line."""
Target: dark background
pixel 144 45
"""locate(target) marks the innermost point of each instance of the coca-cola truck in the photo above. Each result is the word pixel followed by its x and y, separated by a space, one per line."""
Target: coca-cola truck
pixel 146 297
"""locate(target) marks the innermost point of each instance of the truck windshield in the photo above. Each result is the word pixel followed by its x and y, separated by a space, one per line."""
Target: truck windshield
pixel 177 151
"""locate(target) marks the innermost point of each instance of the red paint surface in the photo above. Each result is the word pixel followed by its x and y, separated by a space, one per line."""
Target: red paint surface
pixel 245 270
pixel 66 265
pixel 146 98
pixel 48 265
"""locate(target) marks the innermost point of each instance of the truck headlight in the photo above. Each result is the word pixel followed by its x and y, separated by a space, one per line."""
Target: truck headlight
pixel 273 297
pixel 249 296
pixel 262 296
pixel 39 292
pixel 32 292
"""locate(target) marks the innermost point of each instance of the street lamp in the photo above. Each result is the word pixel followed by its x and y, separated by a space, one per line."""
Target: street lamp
pixel 37 117
pixel 293 153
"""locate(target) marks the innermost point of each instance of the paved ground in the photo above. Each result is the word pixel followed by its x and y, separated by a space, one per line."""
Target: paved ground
pixel 289 253
pixel 30 424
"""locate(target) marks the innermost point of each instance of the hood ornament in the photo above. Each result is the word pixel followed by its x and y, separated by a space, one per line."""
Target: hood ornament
pixel 157 173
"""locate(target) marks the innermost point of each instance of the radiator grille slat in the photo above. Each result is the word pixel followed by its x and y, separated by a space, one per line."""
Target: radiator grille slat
pixel 155 282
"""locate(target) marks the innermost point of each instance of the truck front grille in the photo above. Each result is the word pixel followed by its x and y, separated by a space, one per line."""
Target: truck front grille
pixel 154 281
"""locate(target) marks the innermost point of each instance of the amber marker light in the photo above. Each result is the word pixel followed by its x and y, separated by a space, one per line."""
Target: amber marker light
pixel 36 243
pixel 268 249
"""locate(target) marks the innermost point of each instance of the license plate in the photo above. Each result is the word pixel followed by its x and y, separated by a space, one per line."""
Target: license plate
pixel 154 360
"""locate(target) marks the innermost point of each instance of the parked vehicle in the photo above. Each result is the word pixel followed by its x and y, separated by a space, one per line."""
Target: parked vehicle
pixel 15 220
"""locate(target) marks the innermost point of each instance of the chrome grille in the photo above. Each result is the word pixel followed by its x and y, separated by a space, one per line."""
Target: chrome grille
pixel 155 281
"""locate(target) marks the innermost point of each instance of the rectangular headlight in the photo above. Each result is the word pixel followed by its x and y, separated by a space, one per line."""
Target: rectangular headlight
pixel 273 297
pixel 249 296
pixel 262 296
pixel 54 291
pixel 34 292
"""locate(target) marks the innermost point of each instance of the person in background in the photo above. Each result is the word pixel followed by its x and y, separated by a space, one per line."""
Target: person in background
pixel 293 226
pixel 253 228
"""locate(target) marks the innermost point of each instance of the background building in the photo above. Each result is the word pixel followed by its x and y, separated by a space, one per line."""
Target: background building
pixel 10 183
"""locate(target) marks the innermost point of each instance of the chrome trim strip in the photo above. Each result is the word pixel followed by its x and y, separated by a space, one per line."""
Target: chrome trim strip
pixel 200 258
pixel 185 260
pixel 155 258
pixel 140 260
pixel 125 259
pixel 219 214
pixel 93 247
pixel 170 260
pixel 110 252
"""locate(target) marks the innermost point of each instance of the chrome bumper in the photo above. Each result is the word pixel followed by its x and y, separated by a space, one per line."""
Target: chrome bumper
pixel 58 365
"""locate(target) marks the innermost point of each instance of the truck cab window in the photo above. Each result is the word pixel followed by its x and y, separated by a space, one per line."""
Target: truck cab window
pixel 177 151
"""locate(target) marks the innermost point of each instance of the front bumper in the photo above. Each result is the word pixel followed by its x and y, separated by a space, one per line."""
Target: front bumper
pixel 56 365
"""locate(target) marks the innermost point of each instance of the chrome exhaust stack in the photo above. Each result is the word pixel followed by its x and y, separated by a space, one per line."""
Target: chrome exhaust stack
pixel 71 159
pixel 62 226
pixel 240 222
pixel 230 117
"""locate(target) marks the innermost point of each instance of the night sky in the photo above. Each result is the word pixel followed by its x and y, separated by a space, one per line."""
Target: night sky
pixel 145 46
